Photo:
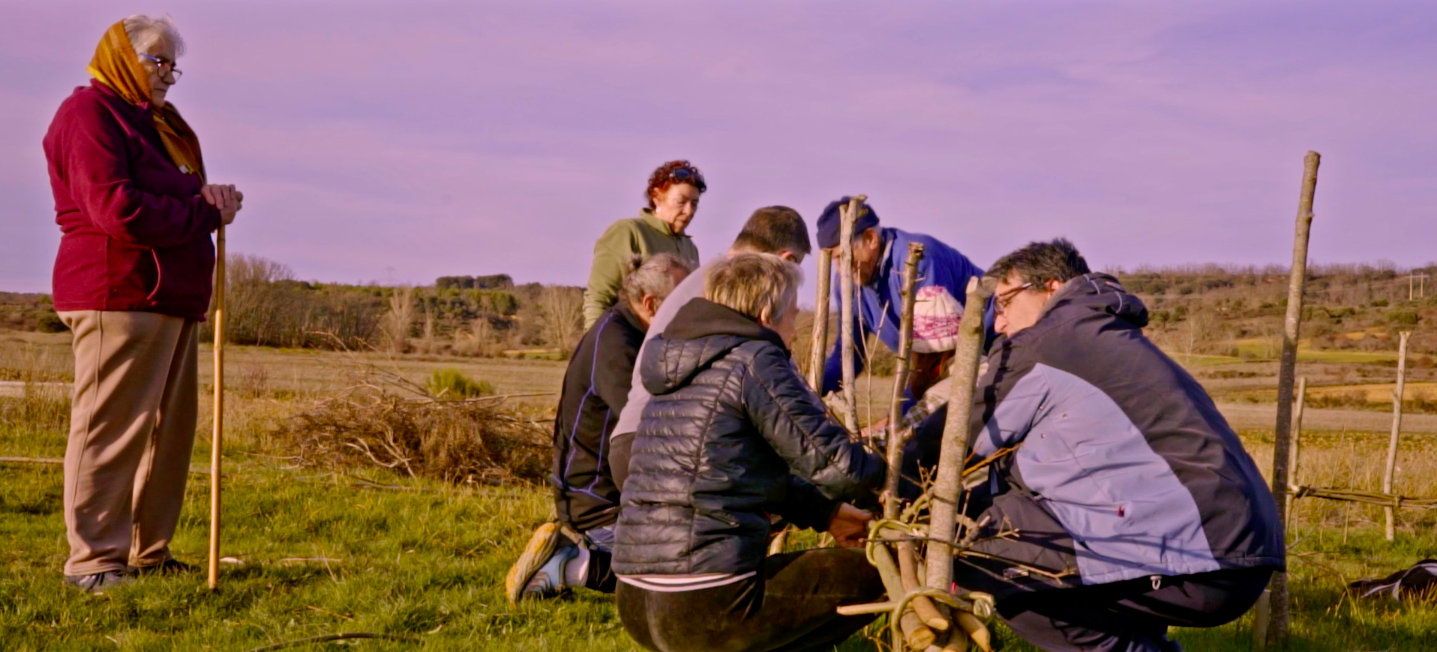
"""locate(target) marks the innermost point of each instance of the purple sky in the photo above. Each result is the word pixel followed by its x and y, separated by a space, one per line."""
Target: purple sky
pixel 380 141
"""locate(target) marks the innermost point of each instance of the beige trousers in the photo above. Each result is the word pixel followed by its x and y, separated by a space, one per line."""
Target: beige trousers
pixel 132 428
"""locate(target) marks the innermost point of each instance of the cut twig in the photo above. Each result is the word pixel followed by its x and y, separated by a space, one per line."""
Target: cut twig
pixel 1287 370
pixel 917 635
pixel 1296 445
pixel 908 573
pixel 1391 469
pixel 334 637
pixel 900 381
pixel 954 448
pixel 847 216
pixel 818 348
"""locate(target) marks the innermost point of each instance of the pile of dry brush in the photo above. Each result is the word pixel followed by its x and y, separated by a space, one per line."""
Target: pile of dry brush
pixel 387 421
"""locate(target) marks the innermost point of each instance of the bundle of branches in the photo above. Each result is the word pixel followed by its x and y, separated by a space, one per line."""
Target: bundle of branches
pixel 386 420
pixel 913 548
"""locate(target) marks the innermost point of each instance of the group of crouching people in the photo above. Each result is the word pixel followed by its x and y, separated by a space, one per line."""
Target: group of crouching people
pixel 685 433
pixel 686 436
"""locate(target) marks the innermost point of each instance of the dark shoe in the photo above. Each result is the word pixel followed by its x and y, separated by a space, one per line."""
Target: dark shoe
pixel 98 583
pixel 166 567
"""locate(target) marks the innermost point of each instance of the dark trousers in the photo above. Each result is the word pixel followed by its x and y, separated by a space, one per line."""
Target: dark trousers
pixel 1130 616
pixel 600 542
pixel 789 605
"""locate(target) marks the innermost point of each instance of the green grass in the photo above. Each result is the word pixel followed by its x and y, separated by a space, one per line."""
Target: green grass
pixel 429 563
pixel 427 560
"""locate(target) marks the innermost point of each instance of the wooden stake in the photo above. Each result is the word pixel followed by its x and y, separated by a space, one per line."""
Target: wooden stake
pixel 1261 614
pixel 1396 432
pixel 1296 442
pixel 900 382
pixel 847 216
pixel 954 448
pixel 217 438
pixel 818 349
pixel 1277 628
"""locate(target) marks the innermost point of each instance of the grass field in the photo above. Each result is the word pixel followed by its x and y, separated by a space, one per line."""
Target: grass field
pixel 323 551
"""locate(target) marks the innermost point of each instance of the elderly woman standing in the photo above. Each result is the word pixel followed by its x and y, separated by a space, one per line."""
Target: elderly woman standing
pixel 673 196
pixel 132 281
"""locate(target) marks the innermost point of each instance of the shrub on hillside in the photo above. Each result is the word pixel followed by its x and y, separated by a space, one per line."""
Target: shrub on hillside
pixel 50 322
pixel 1403 317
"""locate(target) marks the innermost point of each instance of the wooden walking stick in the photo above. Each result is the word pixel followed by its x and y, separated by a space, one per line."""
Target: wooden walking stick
pixel 949 483
pixel 900 380
pixel 217 437
pixel 847 217
pixel 1391 470
pixel 1282 440
pixel 818 349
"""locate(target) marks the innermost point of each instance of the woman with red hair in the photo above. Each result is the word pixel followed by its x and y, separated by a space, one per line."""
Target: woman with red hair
pixel 673 198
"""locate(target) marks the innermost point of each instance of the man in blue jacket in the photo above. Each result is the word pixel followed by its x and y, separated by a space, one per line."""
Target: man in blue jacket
pixel 1125 503
pixel 878 254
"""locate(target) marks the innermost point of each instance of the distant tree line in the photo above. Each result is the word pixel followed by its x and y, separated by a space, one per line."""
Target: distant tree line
pixel 1206 309
pixel 490 282
pixel 465 315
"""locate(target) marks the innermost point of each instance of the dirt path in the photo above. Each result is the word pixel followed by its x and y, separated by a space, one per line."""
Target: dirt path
pixel 1244 416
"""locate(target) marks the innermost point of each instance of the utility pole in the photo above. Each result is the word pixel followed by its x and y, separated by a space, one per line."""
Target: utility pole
pixel 1421 285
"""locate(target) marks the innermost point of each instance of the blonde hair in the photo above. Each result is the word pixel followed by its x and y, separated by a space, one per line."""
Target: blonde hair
pixel 762 286
pixel 145 32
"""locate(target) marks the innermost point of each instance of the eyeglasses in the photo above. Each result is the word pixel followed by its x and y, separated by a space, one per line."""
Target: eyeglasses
pixel 1005 299
pixel 690 176
pixel 164 65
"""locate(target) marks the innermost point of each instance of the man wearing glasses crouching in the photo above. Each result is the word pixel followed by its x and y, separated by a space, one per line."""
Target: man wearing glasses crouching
pixel 1128 505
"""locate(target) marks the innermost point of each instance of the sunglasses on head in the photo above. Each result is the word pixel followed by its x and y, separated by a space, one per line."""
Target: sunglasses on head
pixel 690 176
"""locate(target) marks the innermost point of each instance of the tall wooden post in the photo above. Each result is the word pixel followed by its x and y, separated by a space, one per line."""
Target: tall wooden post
pixel 217 438
pixel 847 216
pixel 954 448
pixel 900 382
pixel 1396 433
pixel 1296 444
pixel 1277 629
pixel 818 348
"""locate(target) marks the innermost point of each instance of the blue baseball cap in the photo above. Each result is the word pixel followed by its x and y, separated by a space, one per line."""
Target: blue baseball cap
pixel 828 222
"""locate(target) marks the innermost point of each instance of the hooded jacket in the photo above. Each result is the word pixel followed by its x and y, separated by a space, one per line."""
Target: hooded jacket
pixel 1123 467
pixel 731 435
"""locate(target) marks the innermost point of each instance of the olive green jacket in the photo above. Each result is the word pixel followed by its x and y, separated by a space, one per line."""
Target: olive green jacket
pixel 645 235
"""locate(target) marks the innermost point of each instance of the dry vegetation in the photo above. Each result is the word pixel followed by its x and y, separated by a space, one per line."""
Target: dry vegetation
pixel 267 306
pixel 445 429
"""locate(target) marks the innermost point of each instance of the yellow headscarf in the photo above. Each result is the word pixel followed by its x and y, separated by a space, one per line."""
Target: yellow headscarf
pixel 115 65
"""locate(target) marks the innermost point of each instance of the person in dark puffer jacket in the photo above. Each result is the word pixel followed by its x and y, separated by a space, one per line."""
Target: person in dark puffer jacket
pixel 731 436
pixel 1129 504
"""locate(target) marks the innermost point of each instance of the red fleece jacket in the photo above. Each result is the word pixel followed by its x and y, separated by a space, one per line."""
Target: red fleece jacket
pixel 136 232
